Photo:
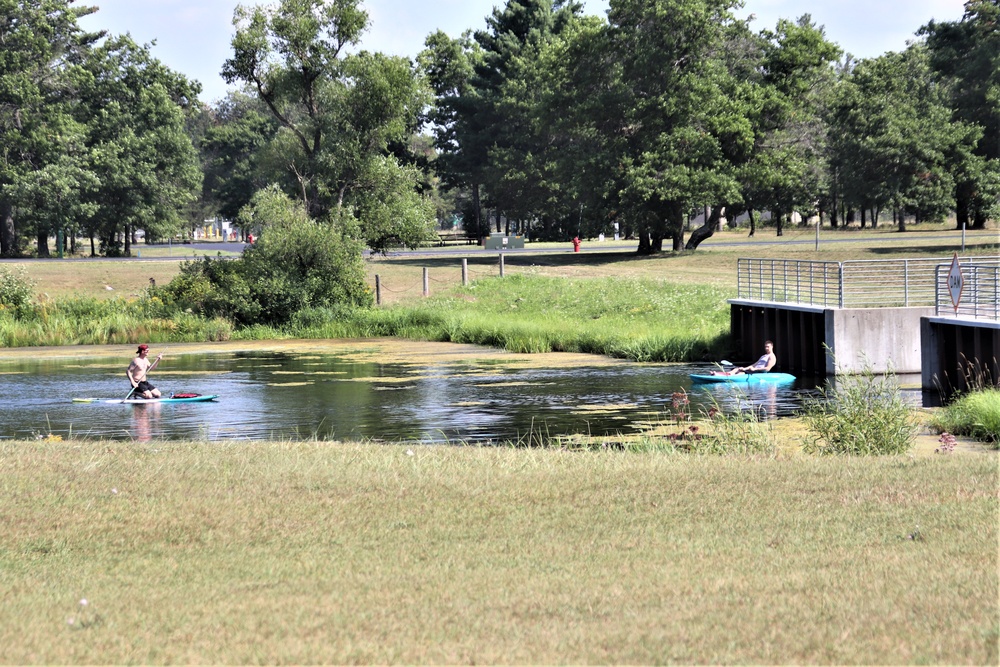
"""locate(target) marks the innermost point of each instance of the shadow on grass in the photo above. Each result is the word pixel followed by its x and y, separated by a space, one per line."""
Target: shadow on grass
pixel 982 246
pixel 541 258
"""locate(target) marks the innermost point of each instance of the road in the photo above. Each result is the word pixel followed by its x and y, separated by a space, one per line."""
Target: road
pixel 184 251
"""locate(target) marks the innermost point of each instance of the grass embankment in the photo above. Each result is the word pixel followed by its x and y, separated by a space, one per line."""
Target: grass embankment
pixel 669 307
pixel 644 320
pixel 639 319
pixel 976 414
pixel 327 553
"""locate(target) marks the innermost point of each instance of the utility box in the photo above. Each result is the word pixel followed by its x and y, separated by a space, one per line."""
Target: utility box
pixel 498 241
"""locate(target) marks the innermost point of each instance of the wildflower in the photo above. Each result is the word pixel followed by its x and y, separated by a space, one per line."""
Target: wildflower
pixel 948 443
pixel 409 452
pixel 83 602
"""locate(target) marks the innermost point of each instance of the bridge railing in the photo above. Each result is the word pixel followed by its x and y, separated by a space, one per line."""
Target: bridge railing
pixel 980 294
pixel 876 283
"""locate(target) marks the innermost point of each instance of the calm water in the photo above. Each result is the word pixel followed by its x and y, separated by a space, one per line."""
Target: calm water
pixel 295 396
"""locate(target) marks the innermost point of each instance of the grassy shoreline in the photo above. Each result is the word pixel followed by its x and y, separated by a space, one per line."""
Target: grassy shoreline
pixel 668 307
pixel 309 552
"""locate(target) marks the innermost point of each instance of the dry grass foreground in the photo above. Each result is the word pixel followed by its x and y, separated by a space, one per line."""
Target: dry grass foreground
pixel 250 552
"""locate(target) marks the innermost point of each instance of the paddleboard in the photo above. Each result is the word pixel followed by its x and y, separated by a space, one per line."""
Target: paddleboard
pixel 200 398
pixel 747 378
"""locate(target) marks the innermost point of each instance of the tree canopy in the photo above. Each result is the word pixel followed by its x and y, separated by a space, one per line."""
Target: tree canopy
pixel 546 121
pixel 93 132
pixel 338 115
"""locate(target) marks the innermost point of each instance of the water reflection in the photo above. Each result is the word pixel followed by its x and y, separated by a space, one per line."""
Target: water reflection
pixel 282 395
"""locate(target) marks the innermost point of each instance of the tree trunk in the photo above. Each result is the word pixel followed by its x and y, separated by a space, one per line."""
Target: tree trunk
pixel 776 216
pixel 43 244
pixel 478 210
pixel 707 229
pixel 753 222
pixel 93 248
pixel 8 239
pixel 979 219
pixel 901 223
pixel 645 247
pixel 127 252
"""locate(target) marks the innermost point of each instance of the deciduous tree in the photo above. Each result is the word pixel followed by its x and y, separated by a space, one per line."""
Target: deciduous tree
pixel 339 113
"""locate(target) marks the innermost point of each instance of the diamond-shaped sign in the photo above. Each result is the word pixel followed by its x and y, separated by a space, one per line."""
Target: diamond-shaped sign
pixel 956 281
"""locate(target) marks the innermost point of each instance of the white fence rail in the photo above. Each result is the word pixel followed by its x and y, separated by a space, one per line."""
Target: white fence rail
pixel 980 296
pixel 877 283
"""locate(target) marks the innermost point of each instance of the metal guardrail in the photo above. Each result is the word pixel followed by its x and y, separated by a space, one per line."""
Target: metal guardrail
pixel 875 283
pixel 980 298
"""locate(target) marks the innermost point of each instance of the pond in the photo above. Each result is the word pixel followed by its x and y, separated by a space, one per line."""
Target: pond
pixel 381 390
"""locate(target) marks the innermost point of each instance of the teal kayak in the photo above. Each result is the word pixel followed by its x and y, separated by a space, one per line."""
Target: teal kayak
pixel 186 398
pixel 744 378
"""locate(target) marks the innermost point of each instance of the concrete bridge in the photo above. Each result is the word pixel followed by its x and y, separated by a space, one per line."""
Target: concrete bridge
pixel 830 318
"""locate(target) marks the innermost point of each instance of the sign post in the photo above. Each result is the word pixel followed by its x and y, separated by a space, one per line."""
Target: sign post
pixel 956 282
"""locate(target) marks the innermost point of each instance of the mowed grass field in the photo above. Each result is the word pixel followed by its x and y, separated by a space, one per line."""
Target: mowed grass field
pixel 401 274
pixel 324 552
pixel 306 553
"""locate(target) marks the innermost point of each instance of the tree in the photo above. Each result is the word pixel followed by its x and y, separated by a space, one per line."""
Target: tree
pixel 674 117
pixel 517 170
pixel 231 152
pixel 893 140
pixel 40 143
pixel 141 153
pixel 448 65
pixel 339 114
pixel 966 56
pixel 797 81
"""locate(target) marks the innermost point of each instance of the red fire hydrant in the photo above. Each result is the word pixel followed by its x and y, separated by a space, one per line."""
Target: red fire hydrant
pixel 576 244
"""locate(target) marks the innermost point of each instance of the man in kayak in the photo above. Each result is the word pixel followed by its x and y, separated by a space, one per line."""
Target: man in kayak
pixel 762 365
pixel 137 370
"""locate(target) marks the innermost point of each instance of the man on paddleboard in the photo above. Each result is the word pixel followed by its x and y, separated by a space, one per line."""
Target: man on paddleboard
pixel 137 370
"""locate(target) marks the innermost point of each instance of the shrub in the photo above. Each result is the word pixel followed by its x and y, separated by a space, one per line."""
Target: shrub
pixel 295 265
pixel 863 415
pixel 16 289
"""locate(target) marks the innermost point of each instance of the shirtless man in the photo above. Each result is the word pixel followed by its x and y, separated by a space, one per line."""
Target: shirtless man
pixel 137 371
pixel 762 365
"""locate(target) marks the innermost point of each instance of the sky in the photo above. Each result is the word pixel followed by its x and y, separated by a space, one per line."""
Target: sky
pixel 193 36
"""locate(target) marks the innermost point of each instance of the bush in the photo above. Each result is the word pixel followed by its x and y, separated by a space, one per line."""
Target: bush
pixel 295 265
pixel 864 415
pixel 16 290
